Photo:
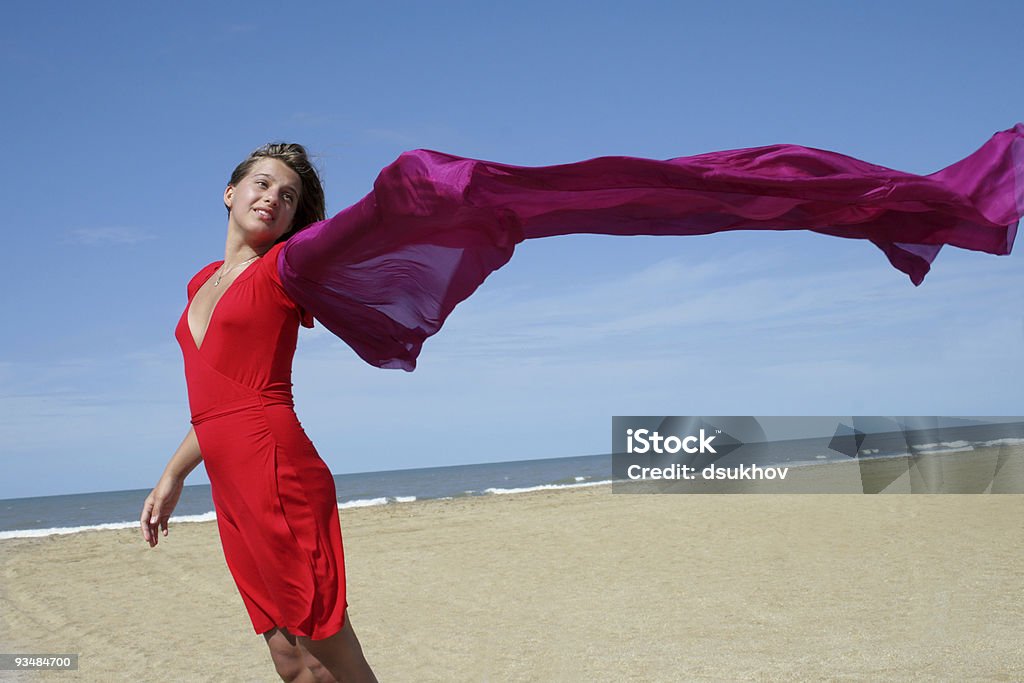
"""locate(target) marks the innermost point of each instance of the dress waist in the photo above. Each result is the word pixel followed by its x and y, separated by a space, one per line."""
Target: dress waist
pixel 258 400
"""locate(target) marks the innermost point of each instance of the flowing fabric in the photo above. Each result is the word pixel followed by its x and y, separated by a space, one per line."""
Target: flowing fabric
pixel 385 273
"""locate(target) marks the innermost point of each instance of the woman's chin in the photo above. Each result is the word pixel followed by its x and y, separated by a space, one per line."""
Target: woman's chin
pixel 260 234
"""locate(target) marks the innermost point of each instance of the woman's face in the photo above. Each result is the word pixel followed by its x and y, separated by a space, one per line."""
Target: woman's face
pixel 263 203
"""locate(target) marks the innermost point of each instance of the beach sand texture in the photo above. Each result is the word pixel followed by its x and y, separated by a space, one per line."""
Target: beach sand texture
pixel 570 585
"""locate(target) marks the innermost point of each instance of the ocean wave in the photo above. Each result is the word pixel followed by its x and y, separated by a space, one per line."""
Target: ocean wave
pixel 547 487
pixel 363 503
pixel 65 530
pixel 373 502
pixel 940 448
pixel 567 483
pixel 1009 441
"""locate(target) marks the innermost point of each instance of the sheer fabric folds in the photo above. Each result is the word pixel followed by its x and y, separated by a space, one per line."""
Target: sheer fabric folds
pixel 385 273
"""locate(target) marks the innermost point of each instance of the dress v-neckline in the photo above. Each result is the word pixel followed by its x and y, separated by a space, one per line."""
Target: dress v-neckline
pixel 188 309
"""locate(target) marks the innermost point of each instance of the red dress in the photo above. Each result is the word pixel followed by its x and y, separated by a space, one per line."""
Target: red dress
pixel 275 499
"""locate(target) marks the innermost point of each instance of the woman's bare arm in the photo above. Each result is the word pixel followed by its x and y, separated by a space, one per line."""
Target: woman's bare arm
pixel 160 502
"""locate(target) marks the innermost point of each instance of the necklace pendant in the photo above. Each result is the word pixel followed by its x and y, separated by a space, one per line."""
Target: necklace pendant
pixel 237 265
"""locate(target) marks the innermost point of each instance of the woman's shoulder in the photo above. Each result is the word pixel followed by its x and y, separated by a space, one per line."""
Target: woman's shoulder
pixel 269 267
pixel 202 276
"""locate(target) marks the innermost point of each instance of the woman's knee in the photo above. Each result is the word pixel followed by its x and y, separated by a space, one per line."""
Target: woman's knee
pixel 321 674
pixel 341 654
pixel 287 656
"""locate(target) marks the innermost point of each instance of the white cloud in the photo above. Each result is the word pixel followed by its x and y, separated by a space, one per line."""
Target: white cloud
pixel 110 235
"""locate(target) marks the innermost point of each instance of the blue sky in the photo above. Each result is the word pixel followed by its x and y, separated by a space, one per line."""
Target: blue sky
pixel 123 121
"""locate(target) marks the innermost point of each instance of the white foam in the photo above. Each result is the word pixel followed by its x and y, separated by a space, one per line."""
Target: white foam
pixel 939 448
pixel 211 516
pixel 942 446
pixel 546 487
pixel 65 530
pixel 205 517
pixel 363 503
pixel 1009 441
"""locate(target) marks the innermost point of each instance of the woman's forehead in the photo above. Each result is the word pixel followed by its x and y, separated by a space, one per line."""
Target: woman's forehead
pixel 276 170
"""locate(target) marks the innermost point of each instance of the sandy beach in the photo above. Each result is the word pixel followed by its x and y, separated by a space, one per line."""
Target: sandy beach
pixel 569 585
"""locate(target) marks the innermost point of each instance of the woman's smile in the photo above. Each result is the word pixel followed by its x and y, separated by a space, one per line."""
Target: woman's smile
pixel 265 214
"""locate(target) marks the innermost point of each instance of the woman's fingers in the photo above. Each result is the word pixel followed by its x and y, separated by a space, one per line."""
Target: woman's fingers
pixel 144 520
pixel 154 524
pixel 151 522
pixel 156 511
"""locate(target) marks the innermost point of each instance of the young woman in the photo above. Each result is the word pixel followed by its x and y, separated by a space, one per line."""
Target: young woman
pixel 385 273
pixel 275 499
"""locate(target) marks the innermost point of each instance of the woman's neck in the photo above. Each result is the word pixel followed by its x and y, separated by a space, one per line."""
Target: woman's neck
pixel 237 250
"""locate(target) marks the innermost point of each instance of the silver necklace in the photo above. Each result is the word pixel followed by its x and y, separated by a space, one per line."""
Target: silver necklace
pixel 237 265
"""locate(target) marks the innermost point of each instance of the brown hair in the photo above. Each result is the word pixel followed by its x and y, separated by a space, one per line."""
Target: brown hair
pixel 311 206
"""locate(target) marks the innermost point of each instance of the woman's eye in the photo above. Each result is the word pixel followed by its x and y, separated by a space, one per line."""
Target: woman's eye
pixel 289 198
pixel 262 183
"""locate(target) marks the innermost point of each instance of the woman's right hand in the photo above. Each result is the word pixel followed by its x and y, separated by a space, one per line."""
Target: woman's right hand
pixel 159 505
pixel 160 502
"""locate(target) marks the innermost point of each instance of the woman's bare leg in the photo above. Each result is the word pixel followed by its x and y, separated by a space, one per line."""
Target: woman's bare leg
pixel 341 655
pixel 293 663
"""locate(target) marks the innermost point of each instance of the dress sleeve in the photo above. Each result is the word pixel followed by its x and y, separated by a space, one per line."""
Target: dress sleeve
pixel 269 261
pixel 384 274
pixel 199 278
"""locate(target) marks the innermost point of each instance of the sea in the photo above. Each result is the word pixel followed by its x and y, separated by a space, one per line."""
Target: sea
pixel 75 513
